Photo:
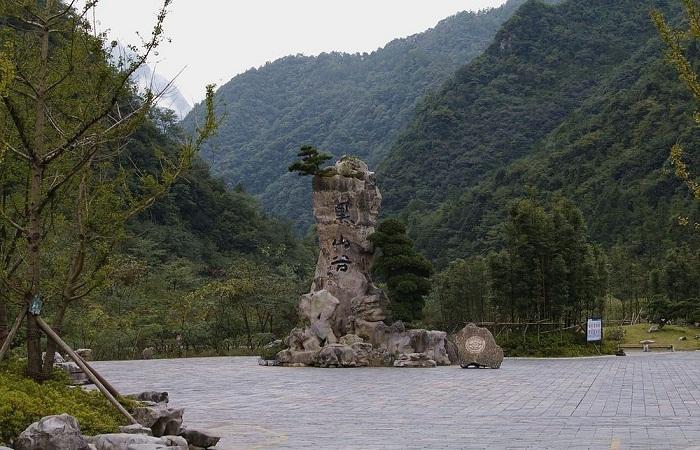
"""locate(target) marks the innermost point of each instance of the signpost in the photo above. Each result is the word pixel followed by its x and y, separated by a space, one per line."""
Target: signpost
pixel 594 330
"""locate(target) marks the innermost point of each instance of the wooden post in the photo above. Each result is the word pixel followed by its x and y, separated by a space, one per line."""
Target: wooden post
pixel 11 336
pixel 79 361
pixel 112 390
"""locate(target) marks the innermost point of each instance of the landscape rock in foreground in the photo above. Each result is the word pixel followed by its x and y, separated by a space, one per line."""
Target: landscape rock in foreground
pixel 343 315
pixel 159 428
pixel 60 432
pixel 476 347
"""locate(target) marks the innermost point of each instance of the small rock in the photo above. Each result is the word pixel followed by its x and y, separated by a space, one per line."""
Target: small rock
pixel 148 353
pixel 124 441
pixel 60 432
pixel 136 429
pixel 291 357
pixel 162 421
pixel 85 353
pixel 336 355
pixel 350 339
pixel 176 442
pixel 76 374
pixel 153 396
pixel 199 438
pixel 414 360
pixel 268 362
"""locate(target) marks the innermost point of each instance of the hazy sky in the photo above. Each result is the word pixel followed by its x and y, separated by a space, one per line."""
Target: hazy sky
pixel 213 40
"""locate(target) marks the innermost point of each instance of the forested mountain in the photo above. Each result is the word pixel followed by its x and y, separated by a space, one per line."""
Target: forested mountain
pixel 342 103
pixel 572 99
pixel 201 232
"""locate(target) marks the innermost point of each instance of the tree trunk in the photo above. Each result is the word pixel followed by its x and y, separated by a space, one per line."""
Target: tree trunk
pixel 51 345
pixel 34 238
pixel 248 333
pixel 34 224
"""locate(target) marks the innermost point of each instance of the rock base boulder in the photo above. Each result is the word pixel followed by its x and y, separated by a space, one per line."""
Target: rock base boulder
pixel 124 441
pixel 199 438
pixel 414 360
pixel 476 347
pixel 162 421
pixel 60 432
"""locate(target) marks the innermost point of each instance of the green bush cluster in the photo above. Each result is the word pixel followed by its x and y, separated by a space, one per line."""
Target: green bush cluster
pixel 614 333
pixel 564 344
pixel 23 401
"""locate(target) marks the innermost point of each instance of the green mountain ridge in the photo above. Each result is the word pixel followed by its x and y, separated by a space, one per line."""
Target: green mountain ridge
pixel 342 103
pixel 573 100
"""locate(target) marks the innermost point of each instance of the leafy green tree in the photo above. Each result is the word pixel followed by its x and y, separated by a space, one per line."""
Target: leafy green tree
pixel 65 115
pixel 309 162
pixel 252 299
pixel 461 292
pixel 405 271
pixel 547 270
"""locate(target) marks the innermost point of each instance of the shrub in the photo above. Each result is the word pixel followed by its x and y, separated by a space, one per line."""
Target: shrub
pixel 23 401
pixel 614 333
pixel 270 352
pixel 564 344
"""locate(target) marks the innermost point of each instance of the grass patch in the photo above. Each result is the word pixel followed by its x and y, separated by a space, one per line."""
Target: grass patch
pixel 668 335
pixel 23 401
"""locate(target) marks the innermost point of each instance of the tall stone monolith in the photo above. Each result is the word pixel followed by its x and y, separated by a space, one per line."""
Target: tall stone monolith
pixel 343 315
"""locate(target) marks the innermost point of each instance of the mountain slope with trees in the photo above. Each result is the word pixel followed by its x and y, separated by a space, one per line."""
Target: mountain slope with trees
pixel 342 103
pixel 550 108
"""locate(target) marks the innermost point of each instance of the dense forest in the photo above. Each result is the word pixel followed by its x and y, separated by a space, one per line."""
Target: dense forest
pixel 199 235
pixel 353 104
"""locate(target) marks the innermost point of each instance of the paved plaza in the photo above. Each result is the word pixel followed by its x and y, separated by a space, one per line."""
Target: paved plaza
pixel 649 401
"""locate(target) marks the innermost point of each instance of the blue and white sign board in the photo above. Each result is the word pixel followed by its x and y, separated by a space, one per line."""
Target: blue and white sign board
pixel 594 330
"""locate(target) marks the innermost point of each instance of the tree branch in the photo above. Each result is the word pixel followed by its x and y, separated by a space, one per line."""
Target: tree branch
pixel 120 85
pixel 19 126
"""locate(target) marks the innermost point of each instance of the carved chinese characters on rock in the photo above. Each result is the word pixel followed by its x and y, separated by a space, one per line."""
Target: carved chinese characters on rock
pixel 341 262
pixel 342 212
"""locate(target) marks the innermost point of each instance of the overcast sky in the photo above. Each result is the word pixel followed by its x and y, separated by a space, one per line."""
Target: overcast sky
pixel 213 40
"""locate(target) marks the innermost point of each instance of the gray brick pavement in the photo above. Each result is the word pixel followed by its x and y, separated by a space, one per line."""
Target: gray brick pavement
pixel 635 402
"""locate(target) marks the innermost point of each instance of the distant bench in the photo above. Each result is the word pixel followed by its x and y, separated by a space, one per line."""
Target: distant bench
pixel 651 347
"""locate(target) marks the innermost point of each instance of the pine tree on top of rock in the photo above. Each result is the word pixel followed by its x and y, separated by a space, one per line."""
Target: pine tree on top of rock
pixel 310 161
